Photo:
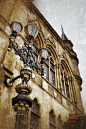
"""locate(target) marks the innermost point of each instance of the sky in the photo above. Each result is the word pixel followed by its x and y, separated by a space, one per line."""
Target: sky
pixel 71 14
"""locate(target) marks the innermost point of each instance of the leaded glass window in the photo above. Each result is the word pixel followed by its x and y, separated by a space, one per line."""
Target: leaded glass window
pixel 35 49
pixel 49 71
pixel 64 82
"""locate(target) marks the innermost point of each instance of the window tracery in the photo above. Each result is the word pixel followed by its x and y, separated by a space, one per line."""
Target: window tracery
pixel 50 71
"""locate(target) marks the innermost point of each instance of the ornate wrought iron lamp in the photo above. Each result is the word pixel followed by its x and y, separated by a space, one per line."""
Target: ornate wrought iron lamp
pixel 22 102
pixel 26 53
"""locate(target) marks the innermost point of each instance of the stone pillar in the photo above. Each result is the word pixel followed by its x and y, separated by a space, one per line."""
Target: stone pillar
pixel 21 119
pixel 59 79
pixel 21 105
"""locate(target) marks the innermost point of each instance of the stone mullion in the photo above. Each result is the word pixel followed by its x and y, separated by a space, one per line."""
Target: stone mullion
pixel 64 85
pixel 59 79
pixel 49 69
pixel 56 75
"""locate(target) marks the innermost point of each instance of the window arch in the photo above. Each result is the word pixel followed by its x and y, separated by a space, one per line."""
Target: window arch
pixel 52 123
pixel 64 82
pixel 59 123
pixel 50 71
pixel 34 120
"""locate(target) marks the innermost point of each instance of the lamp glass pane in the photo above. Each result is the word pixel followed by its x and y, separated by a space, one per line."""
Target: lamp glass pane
pixel 16 26
pixel 31 30
pixel 44 53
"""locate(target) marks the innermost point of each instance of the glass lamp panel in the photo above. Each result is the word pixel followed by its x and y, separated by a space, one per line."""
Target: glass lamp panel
pixel 43 52
pixel 31 30
pixel 16 26
pixel 35 48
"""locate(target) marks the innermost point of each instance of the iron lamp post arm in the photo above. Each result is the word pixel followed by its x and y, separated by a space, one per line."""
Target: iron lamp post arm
pixel 18 52
pixel 9 82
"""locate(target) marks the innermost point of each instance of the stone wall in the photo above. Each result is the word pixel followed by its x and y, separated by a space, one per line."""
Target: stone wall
pixel 49 97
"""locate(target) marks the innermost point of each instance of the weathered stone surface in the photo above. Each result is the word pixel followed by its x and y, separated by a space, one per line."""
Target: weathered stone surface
pixel 49 97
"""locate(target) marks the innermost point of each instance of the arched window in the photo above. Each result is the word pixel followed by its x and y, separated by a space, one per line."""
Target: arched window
pixel 64 82
pixel 34 120
pixel 50 71
pixel 52 123
pixel 59 123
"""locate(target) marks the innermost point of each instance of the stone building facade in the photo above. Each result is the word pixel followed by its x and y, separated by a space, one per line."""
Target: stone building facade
pixel 57 94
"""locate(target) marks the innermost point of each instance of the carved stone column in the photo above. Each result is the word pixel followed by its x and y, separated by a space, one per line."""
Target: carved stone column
pixel 21 119
pixel 21 104
pixel 59 79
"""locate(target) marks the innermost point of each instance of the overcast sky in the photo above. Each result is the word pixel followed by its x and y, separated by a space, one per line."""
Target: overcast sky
pixel 71 14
